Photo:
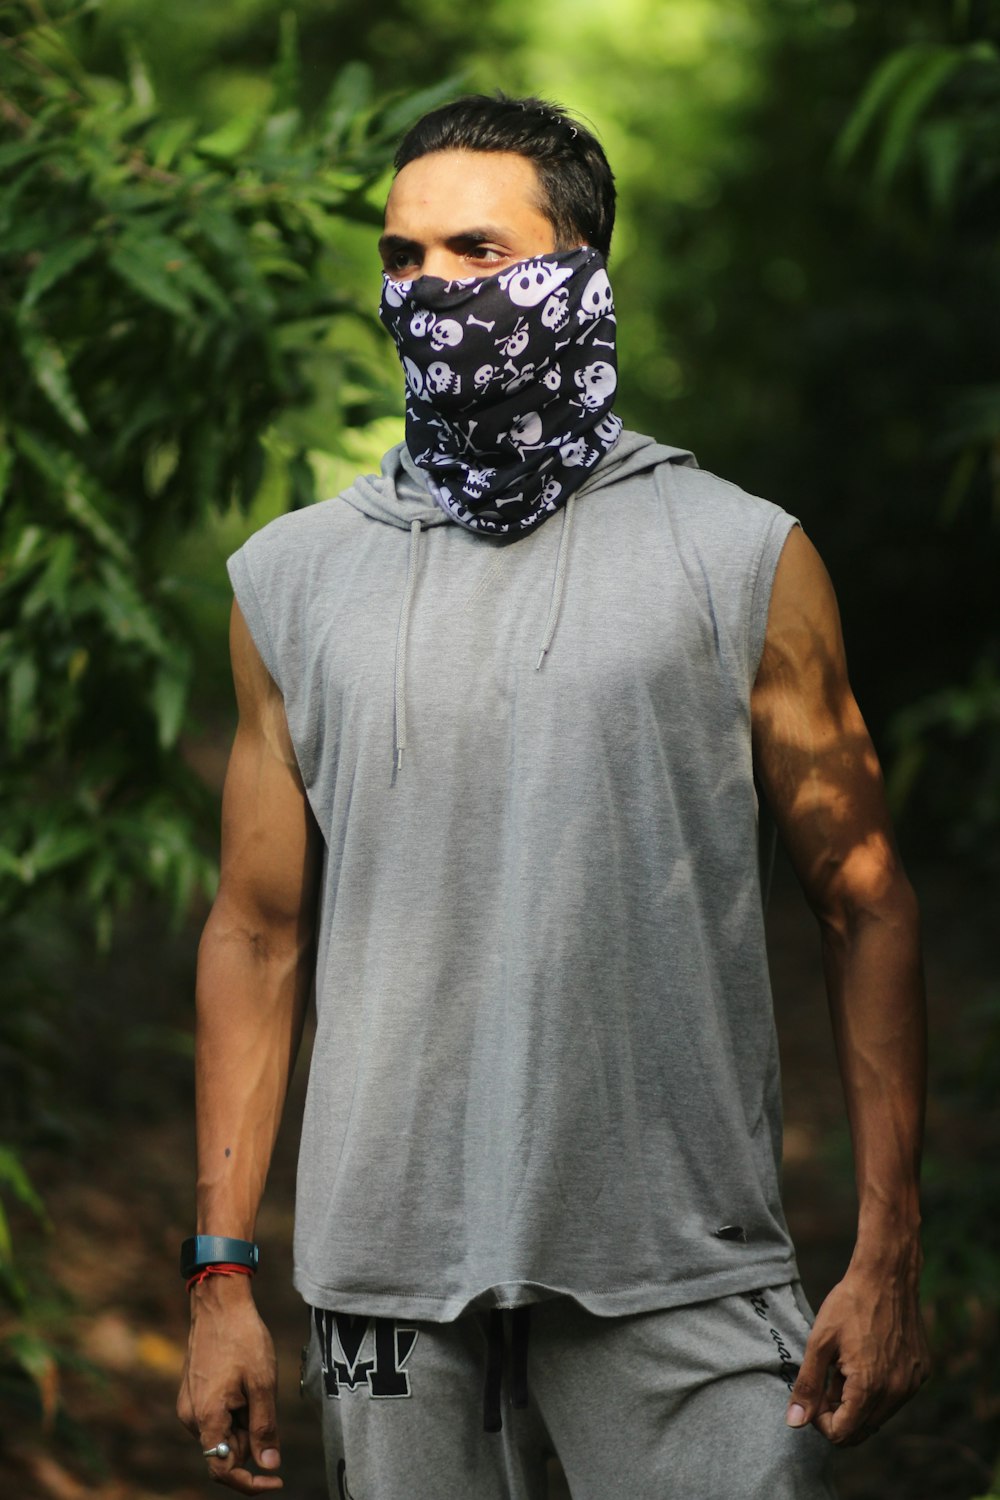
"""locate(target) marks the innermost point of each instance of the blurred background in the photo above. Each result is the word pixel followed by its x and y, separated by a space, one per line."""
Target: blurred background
pixel 807 277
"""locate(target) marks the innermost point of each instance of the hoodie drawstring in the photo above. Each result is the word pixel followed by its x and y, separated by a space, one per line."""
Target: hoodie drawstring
pixel 406 609
pixel 402 634
pixel 519 1329
pixel 559 582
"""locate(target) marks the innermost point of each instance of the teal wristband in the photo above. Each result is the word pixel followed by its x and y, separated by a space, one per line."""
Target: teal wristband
pixel 214 1250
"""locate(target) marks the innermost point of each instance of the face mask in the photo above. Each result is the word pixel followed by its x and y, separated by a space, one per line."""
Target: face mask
pixel 510 381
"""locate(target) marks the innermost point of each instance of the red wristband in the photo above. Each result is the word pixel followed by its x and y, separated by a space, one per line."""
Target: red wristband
pixel 219 1270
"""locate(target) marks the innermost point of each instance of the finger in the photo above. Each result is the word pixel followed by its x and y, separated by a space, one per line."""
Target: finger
pixel 185 1410
pixel 263 1428
pixel 244 1483
pixel 852 1421
pixel 809 1391
pixel 231 1471
pixel 219 1430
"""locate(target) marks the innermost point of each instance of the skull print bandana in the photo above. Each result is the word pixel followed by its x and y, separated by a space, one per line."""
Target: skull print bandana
pixel 509 385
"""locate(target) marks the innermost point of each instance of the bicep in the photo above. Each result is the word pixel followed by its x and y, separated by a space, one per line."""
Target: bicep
pixel 270 842
pixel 813 755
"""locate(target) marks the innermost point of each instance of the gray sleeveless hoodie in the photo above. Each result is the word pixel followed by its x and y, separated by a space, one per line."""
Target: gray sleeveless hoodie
pixel 545 1059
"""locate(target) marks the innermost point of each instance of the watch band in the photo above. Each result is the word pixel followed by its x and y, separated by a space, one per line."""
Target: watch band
pixel 217 1249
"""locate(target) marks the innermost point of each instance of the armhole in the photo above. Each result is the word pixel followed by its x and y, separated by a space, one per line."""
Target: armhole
pixel 775 537
pixel 248 600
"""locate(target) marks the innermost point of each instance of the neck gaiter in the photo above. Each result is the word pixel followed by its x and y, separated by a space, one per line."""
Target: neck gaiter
pixel 509 385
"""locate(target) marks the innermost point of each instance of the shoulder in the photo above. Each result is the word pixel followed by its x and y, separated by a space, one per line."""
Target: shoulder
pixel 298 530
pixel 718 504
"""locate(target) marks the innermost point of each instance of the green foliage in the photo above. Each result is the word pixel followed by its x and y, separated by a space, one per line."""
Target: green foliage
pixel 180 319
pixel 167 310
pixel 934 108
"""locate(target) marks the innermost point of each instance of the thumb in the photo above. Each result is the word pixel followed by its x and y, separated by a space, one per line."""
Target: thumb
pixel 810 1384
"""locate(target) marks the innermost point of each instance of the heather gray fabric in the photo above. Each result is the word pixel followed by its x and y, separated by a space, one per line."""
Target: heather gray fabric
pixel 682 1404
pixel 545 1059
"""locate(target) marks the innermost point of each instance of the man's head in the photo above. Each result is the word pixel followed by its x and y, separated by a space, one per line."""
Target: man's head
pixel 517 166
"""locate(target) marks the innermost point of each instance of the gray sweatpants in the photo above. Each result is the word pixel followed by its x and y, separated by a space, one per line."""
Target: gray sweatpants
pixel 686 1403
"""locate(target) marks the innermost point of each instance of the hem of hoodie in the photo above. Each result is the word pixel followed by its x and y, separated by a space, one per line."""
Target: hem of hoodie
pixel 606 1302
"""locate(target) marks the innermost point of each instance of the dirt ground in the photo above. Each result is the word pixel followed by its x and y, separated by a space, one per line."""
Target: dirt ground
pixel 122 1207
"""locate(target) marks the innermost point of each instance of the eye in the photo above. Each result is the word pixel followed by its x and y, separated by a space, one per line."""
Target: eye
pixel 484 253
pixel 398 262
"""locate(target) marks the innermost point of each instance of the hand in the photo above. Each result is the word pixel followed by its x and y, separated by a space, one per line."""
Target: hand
pixel 227 1392
pixel 866 1355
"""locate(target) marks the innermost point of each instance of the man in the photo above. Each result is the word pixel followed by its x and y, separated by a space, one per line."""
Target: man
pixel 503 713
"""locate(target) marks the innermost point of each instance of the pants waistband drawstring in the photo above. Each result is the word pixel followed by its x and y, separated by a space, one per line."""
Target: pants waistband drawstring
pixel 495 1349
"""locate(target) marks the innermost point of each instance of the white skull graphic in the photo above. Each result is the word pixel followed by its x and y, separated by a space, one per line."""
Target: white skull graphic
pixel 515 342
pixel 608 429
pixel 520 378
pixel 551 493
pixel 552 379
pixel 555 313
pixel 526 431
pixel 484 376
pixel 443 380
pixel 597 383
pixel 529 284
pixel 477 482
pixel 421 323
pixel 414 376
pixel 446 334
pixel 597 298
pixel 574 455
pixel 396 292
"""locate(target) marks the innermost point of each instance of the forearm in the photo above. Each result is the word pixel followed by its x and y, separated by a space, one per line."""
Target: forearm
pixel 253 983
pixel 876 993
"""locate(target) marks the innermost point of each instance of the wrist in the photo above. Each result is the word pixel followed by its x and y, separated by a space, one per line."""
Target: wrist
pixel 221 1293
pixel 203 1251
pixel 888 1250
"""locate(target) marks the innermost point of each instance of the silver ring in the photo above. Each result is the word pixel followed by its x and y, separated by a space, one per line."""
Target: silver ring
pixel 221 1450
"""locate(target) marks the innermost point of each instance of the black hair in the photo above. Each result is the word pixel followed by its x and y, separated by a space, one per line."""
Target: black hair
pixel 577 184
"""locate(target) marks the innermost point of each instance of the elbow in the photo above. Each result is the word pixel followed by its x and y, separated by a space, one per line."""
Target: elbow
pixel 261 935
pixel 866 893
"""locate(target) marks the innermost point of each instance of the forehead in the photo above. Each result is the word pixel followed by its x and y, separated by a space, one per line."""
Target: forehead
pixel 446 192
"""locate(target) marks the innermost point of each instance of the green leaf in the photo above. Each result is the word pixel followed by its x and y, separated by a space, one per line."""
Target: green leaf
pixel 168 700
pixel 22 691
pixel 14 1177
pixel 349 98
pixel 53 266
pixel 915 94
pixel 13 153
pixel 232 138
pixel 48 365
pixel 886 81
pixel 164 143
pixel 140 83
pixel 79 492
pixel 151 270
pixel 6 462
pixel 942 148
pixel 406 111
pixel 51 588
pixel 167 270
pixel 126 613
pixel 285 77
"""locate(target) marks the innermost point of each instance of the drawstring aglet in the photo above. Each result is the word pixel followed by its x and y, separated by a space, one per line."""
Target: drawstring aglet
pixel 398 761
pixel 541 657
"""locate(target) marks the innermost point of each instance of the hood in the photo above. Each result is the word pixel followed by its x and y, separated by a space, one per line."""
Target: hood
pixel 399 494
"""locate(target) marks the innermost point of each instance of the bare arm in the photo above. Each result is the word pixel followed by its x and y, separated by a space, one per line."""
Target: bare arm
pixel 818 768
pixel 254 976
